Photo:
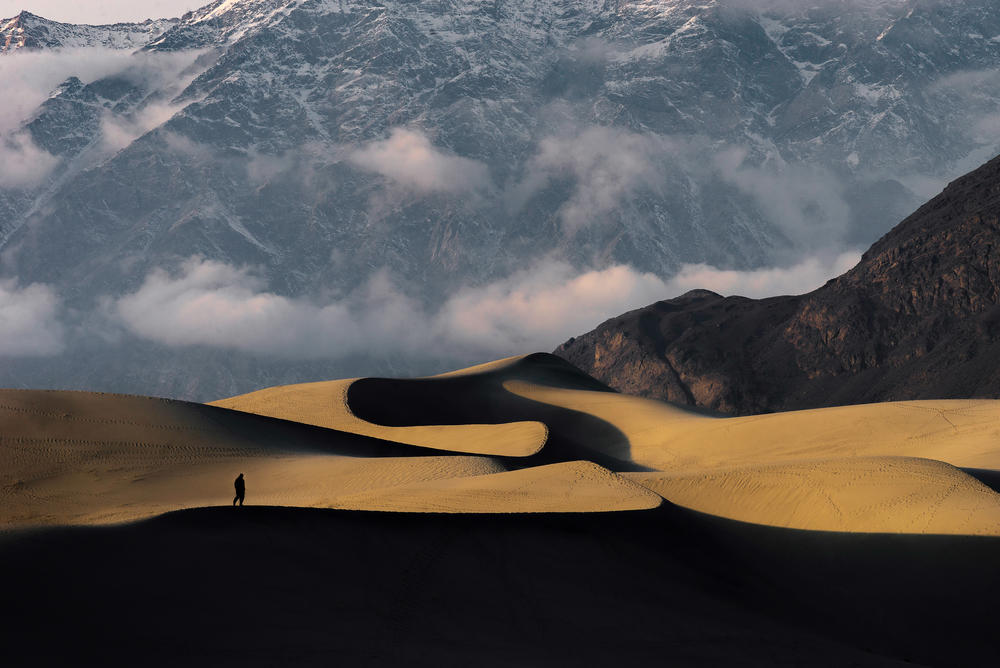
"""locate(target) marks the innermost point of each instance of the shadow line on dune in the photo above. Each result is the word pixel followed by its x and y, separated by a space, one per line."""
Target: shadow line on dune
pixel 481 398
pixel 989 477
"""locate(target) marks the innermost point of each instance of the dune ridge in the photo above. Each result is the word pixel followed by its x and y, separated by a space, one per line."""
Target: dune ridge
pixel 526 434
pixel 572 487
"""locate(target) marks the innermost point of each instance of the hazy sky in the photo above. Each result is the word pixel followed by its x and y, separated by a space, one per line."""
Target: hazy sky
pixel 100 11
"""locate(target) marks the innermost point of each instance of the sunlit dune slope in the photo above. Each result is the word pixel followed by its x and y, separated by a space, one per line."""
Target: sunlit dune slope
pixel 568 487
pixel 879 467
pixel 78 457
pixel 324 404
pixel 525 434
pixel 870 494
pixel 667 437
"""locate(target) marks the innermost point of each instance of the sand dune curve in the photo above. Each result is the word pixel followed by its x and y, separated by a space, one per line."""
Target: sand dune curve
pixel 963 433
pixel 324 404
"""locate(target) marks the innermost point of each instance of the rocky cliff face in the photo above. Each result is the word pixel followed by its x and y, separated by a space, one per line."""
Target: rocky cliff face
pixel 918 318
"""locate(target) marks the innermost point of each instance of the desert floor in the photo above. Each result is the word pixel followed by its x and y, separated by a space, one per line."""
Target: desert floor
pixel 517 514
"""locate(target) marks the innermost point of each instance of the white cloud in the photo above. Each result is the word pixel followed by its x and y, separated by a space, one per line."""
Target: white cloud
pixel 119 131
pixel 611 166
pixel 168 74
pixel 29 320
pixel 806 202
pixel 800 278
pixel 22 163
pixel 606 164
pixel 539 308
pixel 213 304
pixel 408 158
pixel 29 77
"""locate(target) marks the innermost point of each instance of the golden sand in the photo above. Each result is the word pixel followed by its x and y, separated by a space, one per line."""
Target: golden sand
pixel 524 434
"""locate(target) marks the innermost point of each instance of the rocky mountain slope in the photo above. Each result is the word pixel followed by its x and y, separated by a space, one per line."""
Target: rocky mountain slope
pixel 330 142
pixel 918 318
pixel 28 31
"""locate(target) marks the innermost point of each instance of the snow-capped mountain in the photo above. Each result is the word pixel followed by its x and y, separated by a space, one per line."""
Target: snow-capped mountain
pixel 28 31
pixel 450 143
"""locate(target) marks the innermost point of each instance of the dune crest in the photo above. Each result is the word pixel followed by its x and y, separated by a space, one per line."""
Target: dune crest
pixel 567 487
pixel 859 494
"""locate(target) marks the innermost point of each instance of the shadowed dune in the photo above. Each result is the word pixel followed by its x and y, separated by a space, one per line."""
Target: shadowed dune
pixel 277 586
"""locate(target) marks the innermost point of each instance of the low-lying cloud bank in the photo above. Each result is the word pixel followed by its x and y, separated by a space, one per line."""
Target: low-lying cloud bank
pixel 30 323
pixel 208 303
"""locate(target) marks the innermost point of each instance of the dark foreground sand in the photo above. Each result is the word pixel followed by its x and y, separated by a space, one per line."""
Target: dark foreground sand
pixel 666 587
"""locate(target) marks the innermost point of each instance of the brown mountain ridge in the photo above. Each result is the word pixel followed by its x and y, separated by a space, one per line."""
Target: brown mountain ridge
pixel 917 318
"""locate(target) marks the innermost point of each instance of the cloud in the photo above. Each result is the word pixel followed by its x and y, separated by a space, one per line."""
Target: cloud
pixel 806 202
pixel 166 73
pixel 540 307
pixel 606 166
pixel 409 159
pixel 29 77
pixel 214 304
pixel 22 163
pixel 29 320
pixel 610 167
pixel 118 131
pixel 210 303
pixel 800 278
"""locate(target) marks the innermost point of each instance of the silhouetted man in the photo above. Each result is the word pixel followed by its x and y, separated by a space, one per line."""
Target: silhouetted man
pixel 241 489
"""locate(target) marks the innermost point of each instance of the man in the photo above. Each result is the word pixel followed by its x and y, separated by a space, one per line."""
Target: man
pixel 241 490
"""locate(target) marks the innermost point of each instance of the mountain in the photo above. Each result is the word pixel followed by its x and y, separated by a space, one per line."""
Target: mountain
pixel 328 143
pixel 917 318
pixel 28 31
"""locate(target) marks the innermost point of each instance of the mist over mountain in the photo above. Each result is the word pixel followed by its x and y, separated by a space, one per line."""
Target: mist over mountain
pixel 268 191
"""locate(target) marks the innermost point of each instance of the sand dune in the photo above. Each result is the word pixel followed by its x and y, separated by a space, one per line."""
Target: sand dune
pixel 524 434
pixel 468 410
pixel 568 487
pixel 78 457
pixel 860 494
pixel 668 437
pixel 324 404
